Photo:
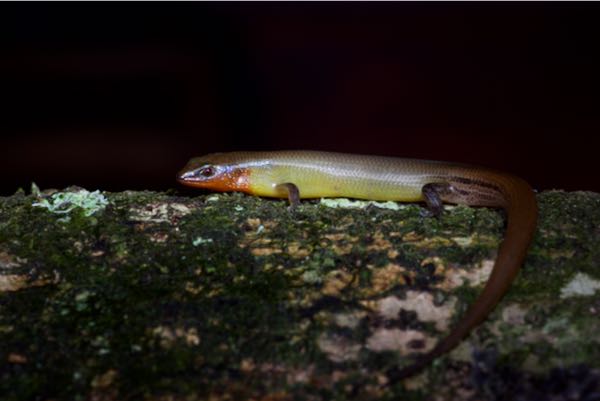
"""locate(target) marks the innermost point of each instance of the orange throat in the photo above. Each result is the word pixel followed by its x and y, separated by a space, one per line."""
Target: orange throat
pixel 237 180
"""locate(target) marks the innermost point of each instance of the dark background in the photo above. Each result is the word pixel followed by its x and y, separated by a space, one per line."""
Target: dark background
pixel 118 96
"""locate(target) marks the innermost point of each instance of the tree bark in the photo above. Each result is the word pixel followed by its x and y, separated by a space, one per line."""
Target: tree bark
pixel 155 296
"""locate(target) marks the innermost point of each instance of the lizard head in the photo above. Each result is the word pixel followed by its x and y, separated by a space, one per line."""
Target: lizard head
pixel 214 172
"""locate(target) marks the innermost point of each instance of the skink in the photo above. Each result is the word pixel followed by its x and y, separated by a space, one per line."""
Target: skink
pixel 312 174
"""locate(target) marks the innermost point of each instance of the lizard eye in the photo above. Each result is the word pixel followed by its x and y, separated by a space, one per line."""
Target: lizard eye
pixel 207 171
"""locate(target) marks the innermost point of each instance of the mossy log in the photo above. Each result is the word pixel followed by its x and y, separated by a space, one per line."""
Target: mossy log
pixel 155 296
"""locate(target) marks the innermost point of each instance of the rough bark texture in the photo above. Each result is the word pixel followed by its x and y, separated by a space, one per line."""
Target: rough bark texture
pixel 152 296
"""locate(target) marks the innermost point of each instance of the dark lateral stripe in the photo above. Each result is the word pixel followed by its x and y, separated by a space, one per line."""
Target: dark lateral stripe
pixel 476 183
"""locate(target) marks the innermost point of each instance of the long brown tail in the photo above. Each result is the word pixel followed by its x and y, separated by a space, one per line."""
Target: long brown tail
pixel 521 209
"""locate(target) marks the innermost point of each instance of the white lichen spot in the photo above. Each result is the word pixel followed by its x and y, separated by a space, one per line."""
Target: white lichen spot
pixel 422 304
pixel 337 348
pixel 200 241
pixel 212 198
pixel 403 341
pixel 63 203
pixel 345 203
pixel 580 285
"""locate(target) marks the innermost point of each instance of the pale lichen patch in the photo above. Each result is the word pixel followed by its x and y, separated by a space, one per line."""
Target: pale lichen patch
pixel 436 261
pixel 555 331
pixel 338 348
pixel 533 364
pixel 580 285
pixel 403 341
pixel 158 212
pixel 416 382
pixel 254 223
pixel 412 236
pixel 16 358
pixel 295 250
pixel 512 320
pixel 455 277
pixel 159 237
pixel 534 337
pixel 169 335
pixel 339 243
pixel 255 226
pixel 180 209
pixel 17 282
pixel 387 277
pixel 463 352
pixel 265 251
pixel 201 241
pixel 335 281
pixel 380 243
pixel 247 365
pixel 419 302
pixel 420 241
pixel 514 314
pixel 300 376
pixel 256 240
pixel 193 288
pixel 465 242
pixel 349 320
pixel 105 380
pixel 336 237
pixel 63 203
pixel 8 261
pixel 358 204
pixel 259 245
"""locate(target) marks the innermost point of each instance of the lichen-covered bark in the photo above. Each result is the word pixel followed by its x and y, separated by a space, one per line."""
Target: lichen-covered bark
pixel 151 296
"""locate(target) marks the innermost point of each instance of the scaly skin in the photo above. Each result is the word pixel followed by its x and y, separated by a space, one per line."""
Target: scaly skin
pixel 322 174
